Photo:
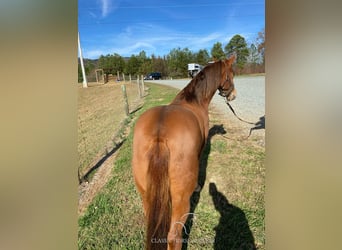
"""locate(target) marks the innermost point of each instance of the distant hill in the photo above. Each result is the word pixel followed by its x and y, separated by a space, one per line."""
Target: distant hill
pixel 93 62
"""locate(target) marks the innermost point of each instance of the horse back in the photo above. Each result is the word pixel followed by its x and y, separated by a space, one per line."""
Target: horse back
pixel 173 123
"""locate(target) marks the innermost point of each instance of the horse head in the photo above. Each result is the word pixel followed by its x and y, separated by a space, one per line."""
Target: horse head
pixel 226 87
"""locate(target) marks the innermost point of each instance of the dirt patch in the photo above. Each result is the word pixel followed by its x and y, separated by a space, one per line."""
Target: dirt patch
pixel 87 190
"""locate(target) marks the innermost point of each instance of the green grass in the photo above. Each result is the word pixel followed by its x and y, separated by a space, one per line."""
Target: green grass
pixel 229 212
pixel 114 220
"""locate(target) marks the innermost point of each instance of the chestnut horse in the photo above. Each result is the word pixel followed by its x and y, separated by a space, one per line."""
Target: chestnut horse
pixel 167 144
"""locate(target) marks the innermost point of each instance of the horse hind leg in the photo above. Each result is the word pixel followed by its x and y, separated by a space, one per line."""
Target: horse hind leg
pixel 183 182
pixel 180 213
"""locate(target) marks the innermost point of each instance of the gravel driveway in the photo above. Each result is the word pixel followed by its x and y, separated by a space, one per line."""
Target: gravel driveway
pixel 249 103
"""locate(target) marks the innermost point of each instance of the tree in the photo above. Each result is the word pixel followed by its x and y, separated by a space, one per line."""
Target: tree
pixel 104 63
pixel 261 44
pixel 111 64
pixel 88 67
pixel 253 61
pixel 132 66
pixel 80 74
pixel 202 57
pixel 142 56
pixel 253 57
pixel 178 60
pixel 145 63
pixel 118 63
pixel 237 45
pixel 159 65
pixel 217 52
pixel 146 66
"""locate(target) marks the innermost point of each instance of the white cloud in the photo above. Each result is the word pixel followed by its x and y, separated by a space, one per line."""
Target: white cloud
pixel 94 54
pixel 134 48
pixel 204 41
pixel 128 50
pixel 105 7
pixel 209 38
pixel 159 36
pixel 108 6
pixel 153 39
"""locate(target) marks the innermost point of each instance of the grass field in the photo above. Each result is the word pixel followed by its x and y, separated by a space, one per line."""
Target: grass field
pixel 100 117
pixel 229 211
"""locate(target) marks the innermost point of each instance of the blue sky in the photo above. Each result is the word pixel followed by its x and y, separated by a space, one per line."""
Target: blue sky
pixel 127 27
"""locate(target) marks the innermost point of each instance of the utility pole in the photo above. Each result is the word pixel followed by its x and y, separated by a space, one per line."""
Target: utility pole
pixel 85 83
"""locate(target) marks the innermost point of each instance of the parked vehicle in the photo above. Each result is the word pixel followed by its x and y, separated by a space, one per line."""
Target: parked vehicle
pixel 153 76
pixel 194 68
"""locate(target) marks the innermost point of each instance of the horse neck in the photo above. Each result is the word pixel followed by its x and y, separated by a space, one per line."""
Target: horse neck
pixel 197 93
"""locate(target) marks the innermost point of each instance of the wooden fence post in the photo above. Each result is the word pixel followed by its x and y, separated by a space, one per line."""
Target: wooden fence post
pixel 97 79
pixel 123 76
pixel 123 87
pixel 130 78
pixel 142 85
pixel 138 84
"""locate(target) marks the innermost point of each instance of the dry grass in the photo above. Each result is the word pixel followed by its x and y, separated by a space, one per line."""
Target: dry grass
pixel 101 115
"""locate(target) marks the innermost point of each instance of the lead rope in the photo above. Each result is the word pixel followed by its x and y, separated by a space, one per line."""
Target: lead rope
pixel 253 123
pixel 231 108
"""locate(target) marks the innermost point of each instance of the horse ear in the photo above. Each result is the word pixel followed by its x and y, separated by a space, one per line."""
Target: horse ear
pixel 231 59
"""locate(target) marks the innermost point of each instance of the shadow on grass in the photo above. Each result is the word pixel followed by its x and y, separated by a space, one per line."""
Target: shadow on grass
pixel 100 162
pixel 233 231
pixel 258 125
pixel 214 130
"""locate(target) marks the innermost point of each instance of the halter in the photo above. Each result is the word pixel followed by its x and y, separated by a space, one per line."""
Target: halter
pixel 225 92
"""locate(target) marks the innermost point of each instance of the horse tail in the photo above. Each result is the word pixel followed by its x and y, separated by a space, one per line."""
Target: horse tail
pixel 158 196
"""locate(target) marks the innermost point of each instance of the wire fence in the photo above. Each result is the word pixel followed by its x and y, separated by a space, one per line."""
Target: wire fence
pixel 103 115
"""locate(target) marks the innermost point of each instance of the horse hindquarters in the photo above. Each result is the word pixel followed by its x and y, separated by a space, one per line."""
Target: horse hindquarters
pixel 165 168
pixel 158 197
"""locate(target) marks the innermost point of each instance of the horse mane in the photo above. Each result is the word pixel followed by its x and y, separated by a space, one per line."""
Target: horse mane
pixel 197 89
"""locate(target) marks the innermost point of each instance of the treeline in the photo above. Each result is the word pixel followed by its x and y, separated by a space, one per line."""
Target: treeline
pixel 250 59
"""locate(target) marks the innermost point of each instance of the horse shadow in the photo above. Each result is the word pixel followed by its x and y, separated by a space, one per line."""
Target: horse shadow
pixel 233 231
pixel 258 125
pixel 214 130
